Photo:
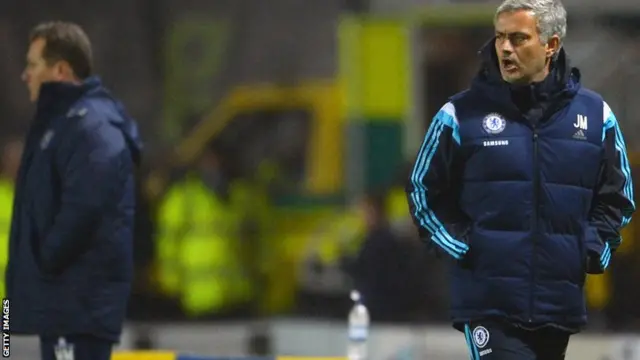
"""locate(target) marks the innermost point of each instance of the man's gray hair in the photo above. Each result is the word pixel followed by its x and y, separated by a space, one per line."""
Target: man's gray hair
pixel 550 15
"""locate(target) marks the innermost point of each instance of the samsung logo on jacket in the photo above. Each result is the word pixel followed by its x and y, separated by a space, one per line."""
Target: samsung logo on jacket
pixel 527 188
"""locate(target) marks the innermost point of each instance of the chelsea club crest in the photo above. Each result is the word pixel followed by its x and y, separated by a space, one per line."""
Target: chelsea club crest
pixel 480 336
pixel 494 123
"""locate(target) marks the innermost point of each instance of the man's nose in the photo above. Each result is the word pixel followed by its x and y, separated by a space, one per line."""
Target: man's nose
pixel 506 47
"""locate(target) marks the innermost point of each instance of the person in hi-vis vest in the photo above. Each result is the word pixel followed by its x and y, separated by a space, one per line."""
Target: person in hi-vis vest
pixel 197 257
pixel 11 154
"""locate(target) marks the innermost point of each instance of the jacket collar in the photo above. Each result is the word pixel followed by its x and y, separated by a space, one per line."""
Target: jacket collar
pixel 57 97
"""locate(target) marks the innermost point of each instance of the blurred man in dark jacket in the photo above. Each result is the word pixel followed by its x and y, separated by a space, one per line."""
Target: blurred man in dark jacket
pixel 70 258
pixel 388 270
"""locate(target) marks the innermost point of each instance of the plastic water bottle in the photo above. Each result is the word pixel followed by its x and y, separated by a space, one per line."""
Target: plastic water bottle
pixel 358 329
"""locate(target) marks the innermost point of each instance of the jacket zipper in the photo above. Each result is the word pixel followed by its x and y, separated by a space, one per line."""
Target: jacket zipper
pixel 534 232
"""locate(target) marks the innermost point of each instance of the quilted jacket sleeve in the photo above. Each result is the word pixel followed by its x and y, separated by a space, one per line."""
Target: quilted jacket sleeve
pixel 431 189
pixel 613 202
pixel 94 165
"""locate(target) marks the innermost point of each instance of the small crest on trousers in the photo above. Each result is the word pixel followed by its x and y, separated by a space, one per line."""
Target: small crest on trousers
pixel 480 336
pixel 63 350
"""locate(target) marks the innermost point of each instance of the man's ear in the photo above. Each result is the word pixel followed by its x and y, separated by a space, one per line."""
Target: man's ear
pixel 553 46
pixel 63 71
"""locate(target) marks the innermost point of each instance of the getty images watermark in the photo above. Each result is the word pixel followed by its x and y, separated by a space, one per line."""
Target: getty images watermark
pixel 6 335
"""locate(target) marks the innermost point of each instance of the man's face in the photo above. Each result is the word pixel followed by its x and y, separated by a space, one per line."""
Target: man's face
pixel 208 162
pixel 521 54
pixel 37 70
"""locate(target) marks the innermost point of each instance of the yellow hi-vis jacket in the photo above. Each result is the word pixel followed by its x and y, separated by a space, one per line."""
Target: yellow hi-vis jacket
pixel 196 250
pixel 6 207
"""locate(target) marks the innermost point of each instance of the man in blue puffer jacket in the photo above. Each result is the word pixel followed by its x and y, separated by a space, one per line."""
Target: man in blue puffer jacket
pixel 523 180
pixel 70 255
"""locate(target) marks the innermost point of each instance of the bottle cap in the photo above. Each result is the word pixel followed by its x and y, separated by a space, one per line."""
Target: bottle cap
pixel 355 296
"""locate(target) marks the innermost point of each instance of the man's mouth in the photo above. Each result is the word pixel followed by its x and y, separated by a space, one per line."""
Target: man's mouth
pixel 509 65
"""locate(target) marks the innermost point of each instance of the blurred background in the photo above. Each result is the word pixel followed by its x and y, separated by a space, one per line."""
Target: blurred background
pixel 279 135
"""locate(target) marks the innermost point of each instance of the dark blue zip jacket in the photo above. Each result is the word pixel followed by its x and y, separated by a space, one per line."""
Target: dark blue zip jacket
pixel 70 253
pixel 527 188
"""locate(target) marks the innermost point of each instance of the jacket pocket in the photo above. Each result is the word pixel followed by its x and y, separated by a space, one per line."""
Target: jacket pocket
pixel 594 247
pixel 583 260
pixel 58 298
pixel 494 253
pixel 463 232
